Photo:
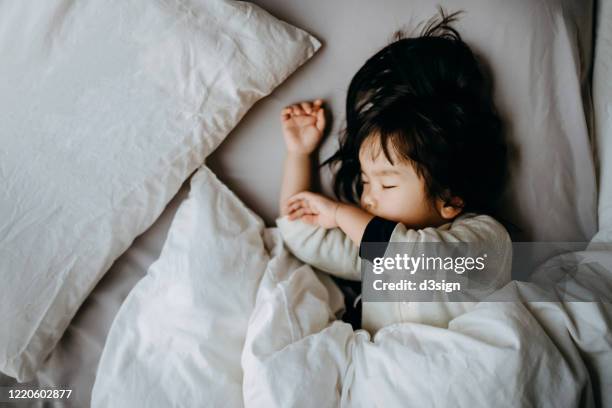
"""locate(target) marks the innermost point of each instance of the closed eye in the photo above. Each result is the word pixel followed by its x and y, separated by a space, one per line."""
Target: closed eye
pixel 388 187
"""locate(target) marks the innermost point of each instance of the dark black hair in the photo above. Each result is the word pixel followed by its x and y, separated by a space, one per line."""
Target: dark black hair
pixel 427 99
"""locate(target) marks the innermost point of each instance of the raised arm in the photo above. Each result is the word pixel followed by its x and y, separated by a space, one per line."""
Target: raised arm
pixel 303 125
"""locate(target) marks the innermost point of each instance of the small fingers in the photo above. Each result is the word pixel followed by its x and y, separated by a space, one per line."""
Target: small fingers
pixel 306 107
pixel 294 198
pixel 320 123
pixel 303 108
pixel 297 110
pixel 299 213
pixel 290 207
pixel 292 110
pixel 286 114
pixel 304 195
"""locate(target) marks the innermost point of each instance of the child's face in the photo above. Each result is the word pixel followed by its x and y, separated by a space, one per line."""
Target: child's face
pixel 395 191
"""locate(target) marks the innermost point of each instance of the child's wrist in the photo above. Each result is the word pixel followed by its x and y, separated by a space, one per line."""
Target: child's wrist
pixel 298 154
pixel 338 204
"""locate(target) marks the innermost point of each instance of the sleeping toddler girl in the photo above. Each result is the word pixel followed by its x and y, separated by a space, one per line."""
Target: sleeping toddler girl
pixel 422 159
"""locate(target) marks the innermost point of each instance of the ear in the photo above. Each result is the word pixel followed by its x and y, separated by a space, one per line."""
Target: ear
pixel 450 209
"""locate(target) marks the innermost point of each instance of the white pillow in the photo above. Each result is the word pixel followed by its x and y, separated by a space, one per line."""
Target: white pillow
pixel 106 108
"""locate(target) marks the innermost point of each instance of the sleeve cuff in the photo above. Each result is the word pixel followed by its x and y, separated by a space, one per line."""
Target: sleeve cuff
pixel 378 230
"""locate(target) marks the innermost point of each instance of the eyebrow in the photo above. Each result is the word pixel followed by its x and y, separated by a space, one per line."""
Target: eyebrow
pixel 383 173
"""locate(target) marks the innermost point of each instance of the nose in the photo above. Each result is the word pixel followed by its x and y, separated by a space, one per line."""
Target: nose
pixel 368 201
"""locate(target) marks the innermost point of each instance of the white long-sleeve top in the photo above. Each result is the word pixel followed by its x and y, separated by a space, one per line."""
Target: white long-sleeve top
pixel 332 251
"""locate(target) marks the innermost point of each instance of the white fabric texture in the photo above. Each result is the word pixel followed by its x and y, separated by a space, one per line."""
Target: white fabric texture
pixel 184 323
pixel 178 337
pixel 497 354
pixel 238 161
pixel 602 108
pixel 224 285
pixel 332 251
pixel 106 108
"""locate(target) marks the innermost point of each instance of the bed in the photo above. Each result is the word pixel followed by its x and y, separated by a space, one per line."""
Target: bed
pixel 250 165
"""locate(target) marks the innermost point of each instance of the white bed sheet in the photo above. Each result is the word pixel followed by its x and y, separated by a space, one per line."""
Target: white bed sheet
pixel 602 104
pixel 546 52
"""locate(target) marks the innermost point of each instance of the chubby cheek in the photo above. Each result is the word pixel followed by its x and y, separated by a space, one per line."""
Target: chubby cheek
pixel 405 207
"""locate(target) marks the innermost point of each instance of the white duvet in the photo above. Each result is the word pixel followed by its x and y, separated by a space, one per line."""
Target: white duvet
pixel 227 317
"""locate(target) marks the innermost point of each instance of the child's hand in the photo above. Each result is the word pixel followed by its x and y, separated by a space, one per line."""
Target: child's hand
pixel 303 126
pixel 313 209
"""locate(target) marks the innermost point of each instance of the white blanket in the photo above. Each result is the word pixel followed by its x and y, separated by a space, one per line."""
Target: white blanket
pixel 227 317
